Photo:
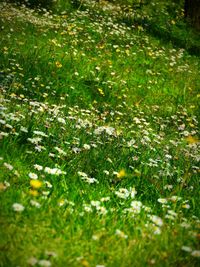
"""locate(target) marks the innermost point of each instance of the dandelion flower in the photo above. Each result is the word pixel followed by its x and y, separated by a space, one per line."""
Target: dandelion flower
pixel 121 174
pixel 36 184
pixel 2 186
pixel 192 140
pixel 58 65
pixel 34 193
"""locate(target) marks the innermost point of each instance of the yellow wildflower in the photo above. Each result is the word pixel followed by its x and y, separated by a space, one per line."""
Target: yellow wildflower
pixel 192 140
pixel 121 174
pixel 2 186
pixel 35 183
pixel 101 92
pixel 85 263
pixel 61 202
pixel 58 64
pixel 33 193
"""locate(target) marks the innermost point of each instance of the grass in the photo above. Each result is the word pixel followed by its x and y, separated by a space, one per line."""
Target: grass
pixel 99 137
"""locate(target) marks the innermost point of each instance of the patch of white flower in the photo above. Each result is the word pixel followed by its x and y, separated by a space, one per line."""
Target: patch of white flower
pixel 18 207
pixel 54 171
pixel 38 167
pixel 87 179
pixel 35 204
pixel 33 176
pixel 40 133
pixel 61 120
pixel 136 206
pixel 125 193
pixel 105 129
pixel 121 234
pixel 44 263
pixel 156 220
pixel 196 253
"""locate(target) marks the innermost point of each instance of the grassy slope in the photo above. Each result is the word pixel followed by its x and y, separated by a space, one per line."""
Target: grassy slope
pixel 65 76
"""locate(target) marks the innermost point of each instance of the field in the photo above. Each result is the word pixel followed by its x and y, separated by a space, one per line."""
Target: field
pixel 99 135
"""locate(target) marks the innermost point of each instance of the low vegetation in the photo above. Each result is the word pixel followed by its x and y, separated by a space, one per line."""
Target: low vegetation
pixel 99 153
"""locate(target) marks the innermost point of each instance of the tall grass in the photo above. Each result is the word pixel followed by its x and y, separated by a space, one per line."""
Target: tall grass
pixel 99 138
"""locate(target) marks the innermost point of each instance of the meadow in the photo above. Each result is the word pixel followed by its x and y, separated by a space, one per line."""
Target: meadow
pixel 99 135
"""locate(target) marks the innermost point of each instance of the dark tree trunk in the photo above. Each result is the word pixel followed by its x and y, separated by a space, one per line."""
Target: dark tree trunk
pixel 192 12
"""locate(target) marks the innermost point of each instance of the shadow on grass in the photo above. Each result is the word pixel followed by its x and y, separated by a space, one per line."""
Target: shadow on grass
pixel 180 35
